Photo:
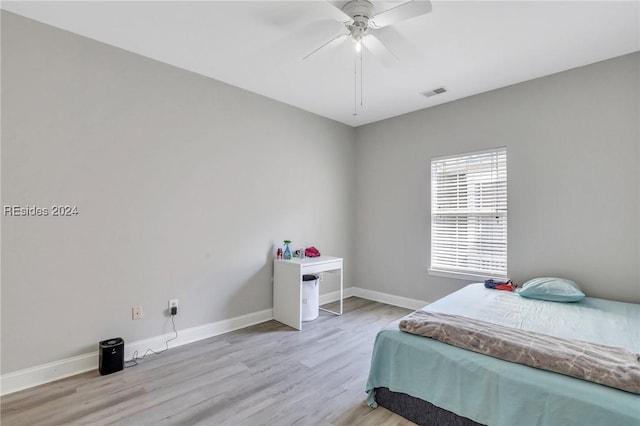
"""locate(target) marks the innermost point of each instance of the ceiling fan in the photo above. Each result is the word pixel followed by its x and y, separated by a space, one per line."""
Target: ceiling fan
pixel 361 20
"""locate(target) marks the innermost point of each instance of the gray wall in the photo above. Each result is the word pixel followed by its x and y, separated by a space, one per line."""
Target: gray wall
pixel 185 186
pixel 572 143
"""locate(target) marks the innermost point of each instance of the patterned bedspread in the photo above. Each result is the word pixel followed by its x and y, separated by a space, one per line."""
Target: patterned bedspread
pixel 606 365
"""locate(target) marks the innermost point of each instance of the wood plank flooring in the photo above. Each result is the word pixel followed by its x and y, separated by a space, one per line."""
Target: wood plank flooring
pixel 268 374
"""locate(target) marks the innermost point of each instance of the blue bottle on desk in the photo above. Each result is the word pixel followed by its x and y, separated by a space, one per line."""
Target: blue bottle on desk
pixel 287 249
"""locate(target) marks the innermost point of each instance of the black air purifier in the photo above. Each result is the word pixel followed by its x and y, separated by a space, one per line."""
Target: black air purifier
pixel 111 356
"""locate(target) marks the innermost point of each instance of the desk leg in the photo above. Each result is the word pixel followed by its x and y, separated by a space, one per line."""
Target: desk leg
pixel 341 291
pixel 341 298
pixel 287 296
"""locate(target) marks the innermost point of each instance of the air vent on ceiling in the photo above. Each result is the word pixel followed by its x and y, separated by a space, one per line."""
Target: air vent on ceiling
pixel 434 92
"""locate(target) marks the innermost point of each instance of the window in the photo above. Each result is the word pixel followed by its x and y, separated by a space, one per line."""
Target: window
pixel 469 215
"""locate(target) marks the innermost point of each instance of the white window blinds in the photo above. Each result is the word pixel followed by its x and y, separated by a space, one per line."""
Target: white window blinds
pixel 469 213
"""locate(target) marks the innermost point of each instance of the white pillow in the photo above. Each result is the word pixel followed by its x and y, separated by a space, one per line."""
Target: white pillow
pixel 552 289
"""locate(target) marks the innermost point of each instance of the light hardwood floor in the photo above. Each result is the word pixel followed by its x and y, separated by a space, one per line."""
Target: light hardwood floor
pixel 268 374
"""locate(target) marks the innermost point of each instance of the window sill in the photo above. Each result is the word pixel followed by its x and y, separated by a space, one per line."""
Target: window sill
pixel 462 276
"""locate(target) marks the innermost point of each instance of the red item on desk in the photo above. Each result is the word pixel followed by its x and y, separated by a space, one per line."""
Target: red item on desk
pixel 311 252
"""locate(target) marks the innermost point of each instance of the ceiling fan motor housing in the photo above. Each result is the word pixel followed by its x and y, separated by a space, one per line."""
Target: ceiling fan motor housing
pixel 361 11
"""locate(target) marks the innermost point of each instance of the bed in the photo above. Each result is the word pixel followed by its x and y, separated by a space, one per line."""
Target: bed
pixel 433 383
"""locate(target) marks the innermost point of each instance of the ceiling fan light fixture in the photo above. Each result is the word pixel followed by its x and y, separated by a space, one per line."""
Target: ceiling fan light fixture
pixel 358 46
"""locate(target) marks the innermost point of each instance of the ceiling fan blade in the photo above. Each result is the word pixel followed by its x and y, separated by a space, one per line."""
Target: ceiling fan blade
pixel 399 13
pixel 404 49
pixel 339 14
pixel 330 44
pixel 294 45
pixel 380 51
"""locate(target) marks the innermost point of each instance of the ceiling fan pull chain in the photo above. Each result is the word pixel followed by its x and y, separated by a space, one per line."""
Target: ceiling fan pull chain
pixel 361 76
pixel 355 86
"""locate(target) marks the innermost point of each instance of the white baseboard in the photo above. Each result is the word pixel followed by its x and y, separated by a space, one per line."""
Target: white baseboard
pixel 194 334
pixel 40 374
pixel 389 299
pixel 335 295
pixel 376 296
pixel 45 373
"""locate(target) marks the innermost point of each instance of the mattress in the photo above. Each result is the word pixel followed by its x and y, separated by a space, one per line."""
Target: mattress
pixel 495 392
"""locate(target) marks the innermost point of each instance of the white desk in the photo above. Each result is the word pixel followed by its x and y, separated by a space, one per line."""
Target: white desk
pixel 287 286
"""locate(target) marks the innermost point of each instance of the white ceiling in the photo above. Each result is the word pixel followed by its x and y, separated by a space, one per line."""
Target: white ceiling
pixel 468 47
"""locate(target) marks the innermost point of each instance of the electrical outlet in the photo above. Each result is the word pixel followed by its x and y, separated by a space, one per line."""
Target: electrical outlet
pixel 173 303
pixel 136 312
